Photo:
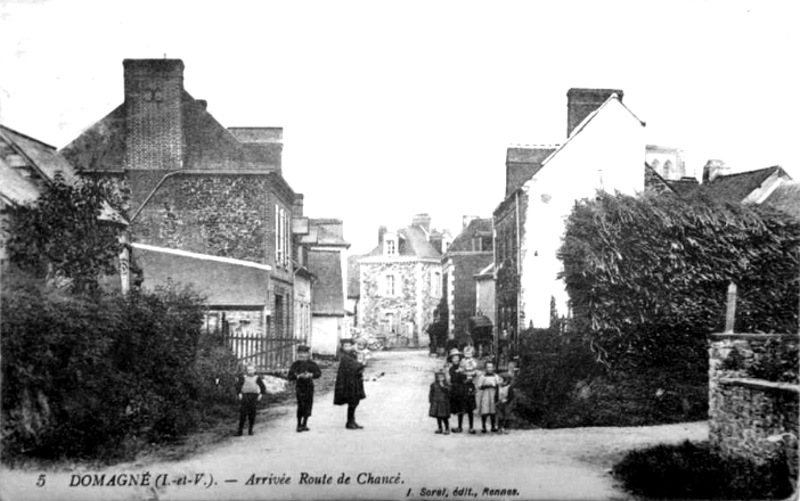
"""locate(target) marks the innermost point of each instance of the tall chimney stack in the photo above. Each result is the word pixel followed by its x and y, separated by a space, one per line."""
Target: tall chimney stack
pixel 154 138
pixel 423 221
pixel 582 102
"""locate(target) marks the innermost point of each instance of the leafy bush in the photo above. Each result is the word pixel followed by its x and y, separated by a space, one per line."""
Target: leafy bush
pixel 690 471
pixel 82 375
pixel 552 365
pixel 778 363
pixel 561 384
pixel 647 276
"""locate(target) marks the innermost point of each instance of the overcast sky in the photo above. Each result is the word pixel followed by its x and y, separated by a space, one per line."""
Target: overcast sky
pixel 396 108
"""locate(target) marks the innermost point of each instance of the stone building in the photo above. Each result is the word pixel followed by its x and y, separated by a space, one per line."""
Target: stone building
pixel 197 186
pixel 470 253
pixel 604 150
pixel 401 282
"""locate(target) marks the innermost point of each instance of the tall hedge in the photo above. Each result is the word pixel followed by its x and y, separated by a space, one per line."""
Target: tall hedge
pixel 647 276
pixel 83 376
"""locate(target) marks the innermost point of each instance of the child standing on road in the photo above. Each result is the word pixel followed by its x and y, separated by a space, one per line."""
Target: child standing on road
pixel 250 388
pixel 439 398
pixel 304 371
pixel 487 386
pixel 505 395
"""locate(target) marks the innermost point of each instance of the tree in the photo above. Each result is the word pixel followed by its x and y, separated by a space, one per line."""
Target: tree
pixel 62 237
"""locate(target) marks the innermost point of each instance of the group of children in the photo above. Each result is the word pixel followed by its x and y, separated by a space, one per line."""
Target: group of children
pixel 461 388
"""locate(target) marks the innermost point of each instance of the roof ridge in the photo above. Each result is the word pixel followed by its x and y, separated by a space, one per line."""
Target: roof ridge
pixel 29 137
pixel 763 169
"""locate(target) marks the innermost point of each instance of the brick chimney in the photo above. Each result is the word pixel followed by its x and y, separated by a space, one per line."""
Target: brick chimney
pixel 381 233
pixel 154 138
pixel 582 102
pixel 423 221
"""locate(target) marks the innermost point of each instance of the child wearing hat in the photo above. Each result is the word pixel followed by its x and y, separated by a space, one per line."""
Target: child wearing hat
pixel 462 392
pixel 439 398
pixel 303 371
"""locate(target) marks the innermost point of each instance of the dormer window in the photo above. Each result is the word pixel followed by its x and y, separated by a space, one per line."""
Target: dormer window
pixel 390 244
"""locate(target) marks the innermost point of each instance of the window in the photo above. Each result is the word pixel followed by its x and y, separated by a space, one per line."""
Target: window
pixel 476 244
pixel 668 169
pixel 390 285
pixel 391 247
pixel 436 284
pixel 389 322
pixel 282 244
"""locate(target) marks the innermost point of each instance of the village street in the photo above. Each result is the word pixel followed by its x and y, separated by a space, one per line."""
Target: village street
pixel 397 447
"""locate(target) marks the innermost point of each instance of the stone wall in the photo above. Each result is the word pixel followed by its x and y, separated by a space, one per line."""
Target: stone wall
pixel 749 417
pixel 224 216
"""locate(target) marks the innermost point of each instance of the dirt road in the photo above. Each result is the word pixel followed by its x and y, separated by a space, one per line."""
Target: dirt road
pixel 395 456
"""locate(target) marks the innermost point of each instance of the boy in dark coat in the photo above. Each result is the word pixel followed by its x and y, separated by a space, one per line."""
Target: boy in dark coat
pixel 250 388
pixel 303 371
pixel 349 387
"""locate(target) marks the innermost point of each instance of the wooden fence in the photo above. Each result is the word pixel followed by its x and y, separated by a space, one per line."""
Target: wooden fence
pixel 266 353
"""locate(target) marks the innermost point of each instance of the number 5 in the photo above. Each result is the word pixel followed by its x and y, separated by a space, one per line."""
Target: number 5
pixel 41 481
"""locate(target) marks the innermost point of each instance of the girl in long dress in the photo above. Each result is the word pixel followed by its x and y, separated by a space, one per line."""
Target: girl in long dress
pixel 439 398
pixel 487 385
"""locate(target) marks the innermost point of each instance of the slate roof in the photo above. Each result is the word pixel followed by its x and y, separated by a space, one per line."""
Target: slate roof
pixel 523 162
pixel 475 228
pixel 328 232
pixel 786 198
pixel 26 165
pixel 224 281
pixel 353 277
pixel 209 145
pixel 326 291
pixel 412 243
pixel 684 186
pixel 736 187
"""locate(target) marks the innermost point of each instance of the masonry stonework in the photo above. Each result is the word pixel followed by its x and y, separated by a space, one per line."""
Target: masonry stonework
pixel 221 215
pixel 748 417
pixel 412 280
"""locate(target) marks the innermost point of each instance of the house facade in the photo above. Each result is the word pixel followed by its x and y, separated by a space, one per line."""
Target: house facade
pixel 470 252
pixel 323 247
pixel 401 283
pixel 605 150
pixel 197 186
